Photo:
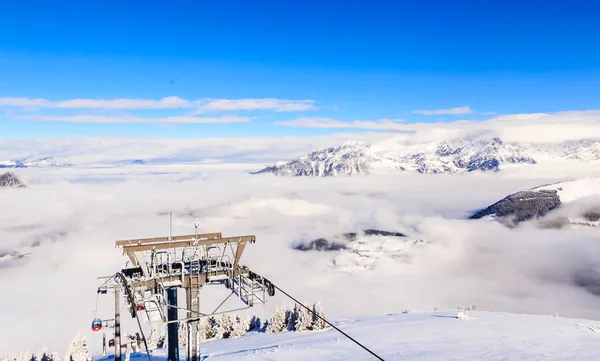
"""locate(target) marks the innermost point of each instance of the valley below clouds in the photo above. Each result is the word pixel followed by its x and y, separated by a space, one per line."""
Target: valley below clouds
pixel 58 235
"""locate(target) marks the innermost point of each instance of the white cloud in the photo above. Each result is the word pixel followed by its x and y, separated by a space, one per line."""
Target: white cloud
pixel 24 102
pixel 522 270
pixel 171 102
pixel 305 122
pixel 90 118
pixel 451 111
pixel 278 105
pixel 535 127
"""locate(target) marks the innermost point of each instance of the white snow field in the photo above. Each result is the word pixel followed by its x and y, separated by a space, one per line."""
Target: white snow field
pixel 424 336
pixel 575 189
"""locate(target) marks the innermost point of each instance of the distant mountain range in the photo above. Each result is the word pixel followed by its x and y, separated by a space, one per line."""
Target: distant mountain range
pixel 33 162
pixel 457 156
pixel 574 202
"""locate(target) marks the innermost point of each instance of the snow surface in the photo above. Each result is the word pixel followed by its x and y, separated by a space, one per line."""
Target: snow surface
pixel 573 190
pixel 426 336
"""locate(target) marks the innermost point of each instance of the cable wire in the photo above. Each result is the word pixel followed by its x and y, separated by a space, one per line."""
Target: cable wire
pixel 329 323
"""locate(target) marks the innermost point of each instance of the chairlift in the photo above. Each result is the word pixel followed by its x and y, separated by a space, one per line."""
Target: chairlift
pixel 96 324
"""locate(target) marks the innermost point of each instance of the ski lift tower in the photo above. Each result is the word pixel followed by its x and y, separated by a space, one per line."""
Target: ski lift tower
pixel 159 267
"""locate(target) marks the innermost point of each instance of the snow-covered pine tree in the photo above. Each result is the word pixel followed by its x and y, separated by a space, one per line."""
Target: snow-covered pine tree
pixel 254 324
pixel 78 350
pixel 182 332
pixel 304 319
pixel 153 338
pixel 44 355
pixel 162 339
pixel 55 356
pixel 317 323
pixel 208 327
pixel 225 327
pixel 291 316
pixel 277 322
pixel 240 327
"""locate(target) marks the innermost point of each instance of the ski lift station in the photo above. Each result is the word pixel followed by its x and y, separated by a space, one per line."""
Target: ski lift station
pixel 158 267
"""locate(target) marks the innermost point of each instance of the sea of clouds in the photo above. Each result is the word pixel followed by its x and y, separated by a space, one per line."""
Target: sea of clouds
pixel 66 222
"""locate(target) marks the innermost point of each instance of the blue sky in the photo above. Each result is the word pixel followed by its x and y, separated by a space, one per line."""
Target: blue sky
pixel 352 61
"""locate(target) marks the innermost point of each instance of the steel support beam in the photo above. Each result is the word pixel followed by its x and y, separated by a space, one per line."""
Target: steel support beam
pixel 117 327
pixel 193 305
pixel 140 241
pixel 172 328
pixel 187 242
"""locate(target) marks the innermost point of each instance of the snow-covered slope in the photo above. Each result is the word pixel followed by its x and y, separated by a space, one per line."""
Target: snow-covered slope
pixel 423 336
pixel 573 190
pixel 479 154
pixel 576 201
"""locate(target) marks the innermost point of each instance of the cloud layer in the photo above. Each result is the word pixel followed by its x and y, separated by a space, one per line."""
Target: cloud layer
pixel 108 119
pixel 171 102
pixel 70 239
pixel 328 123
pixel 451 111
pixel 533 127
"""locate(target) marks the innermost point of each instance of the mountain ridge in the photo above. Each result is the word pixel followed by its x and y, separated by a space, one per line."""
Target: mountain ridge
pixel 455 156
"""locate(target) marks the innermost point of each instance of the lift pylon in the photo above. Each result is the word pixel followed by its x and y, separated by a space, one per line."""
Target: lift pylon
pixel 159 266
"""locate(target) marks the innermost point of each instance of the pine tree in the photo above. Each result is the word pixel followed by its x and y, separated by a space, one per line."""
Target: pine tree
pixel 162 340
pixel 304 319
pixel 207 328
pixel 277 323
pixel 182 332
pixel 239 327
pixel 291 317
pixel 54 356
pixel 153 338
pixel 318 323
pixel 224 327
pixel 43 354
pixel 78 351
pixel 254 324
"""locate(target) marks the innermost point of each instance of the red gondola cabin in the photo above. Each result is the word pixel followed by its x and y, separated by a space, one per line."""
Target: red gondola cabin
pixel 97 325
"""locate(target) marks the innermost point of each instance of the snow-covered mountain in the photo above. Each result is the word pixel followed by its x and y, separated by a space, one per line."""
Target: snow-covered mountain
pixel 462 155
pixel 422 336
pixel 580 150
pixel 360 251
pixel 10 180
pixel 349 158
pixel 576 201
pixel 32 162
